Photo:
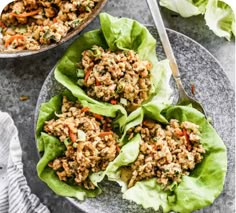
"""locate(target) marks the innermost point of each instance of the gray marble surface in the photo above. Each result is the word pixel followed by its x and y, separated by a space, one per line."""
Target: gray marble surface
pixel 25 76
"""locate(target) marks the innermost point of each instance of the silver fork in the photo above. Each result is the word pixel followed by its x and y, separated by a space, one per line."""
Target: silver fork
pixel 184 99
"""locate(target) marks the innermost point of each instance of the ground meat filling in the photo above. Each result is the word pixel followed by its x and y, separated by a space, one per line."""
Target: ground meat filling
pixel 29 24
pixel 116 77
pixel 90 143
pixel 166 154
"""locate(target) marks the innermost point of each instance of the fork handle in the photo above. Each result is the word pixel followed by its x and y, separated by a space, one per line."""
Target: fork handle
pixel 164 38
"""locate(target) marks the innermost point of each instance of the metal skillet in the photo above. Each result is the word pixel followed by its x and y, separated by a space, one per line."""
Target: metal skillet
pixel 70 35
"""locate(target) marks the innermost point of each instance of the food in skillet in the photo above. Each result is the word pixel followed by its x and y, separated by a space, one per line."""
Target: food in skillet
pixel 76 141
pixel 116 64
pixel 165 153
pixel 115 77
pixel 171 159
pixel 27 24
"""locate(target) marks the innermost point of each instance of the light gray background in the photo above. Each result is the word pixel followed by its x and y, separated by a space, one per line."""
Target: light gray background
pixel 25 76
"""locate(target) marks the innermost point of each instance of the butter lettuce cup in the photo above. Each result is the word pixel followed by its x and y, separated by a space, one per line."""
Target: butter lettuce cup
pixel 116 65
pixel 172 159
pixel 75 140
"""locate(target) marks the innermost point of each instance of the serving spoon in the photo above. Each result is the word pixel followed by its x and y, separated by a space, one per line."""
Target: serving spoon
pixel 184 99
pixel 3 4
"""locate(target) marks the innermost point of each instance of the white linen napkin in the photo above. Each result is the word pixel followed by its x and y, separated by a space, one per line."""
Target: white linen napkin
pixel 15 194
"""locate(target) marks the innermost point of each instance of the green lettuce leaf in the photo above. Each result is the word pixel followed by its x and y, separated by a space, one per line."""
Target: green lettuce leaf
pixel 128 154
pixel 115 34
pixel 50 147
pixel 185 8
pixel 46 112
pixel 152 109
pixel 219 14
pixel 148 194
pixel 220 18
pixel 195 191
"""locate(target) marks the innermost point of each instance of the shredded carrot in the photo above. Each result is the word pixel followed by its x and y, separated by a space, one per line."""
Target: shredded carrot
pixel 97 83
pixel 2 25
pixel 72 136
pixel 186 135
pixel 85 109
pixel 24 15
pixel 154 147
pixel 149 66
pixel 54 20
pixel 189 147
pixel 193 89
pixel 117 148
pixel 102 134
pixel 179 132
pixel 113 102
pixel 87 75
pixel 12 38
pixel 20 47
pixel 97 116
pixel 145 122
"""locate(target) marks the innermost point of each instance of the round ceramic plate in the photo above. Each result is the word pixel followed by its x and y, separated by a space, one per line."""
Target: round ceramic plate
pixel 212 88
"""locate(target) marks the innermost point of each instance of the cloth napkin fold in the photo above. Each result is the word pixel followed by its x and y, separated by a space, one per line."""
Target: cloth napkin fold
pixel 15 194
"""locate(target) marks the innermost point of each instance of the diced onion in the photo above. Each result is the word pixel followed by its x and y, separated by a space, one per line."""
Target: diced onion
pixel 80 82
pixel 123 101
pixel 80 73
pixel 81 135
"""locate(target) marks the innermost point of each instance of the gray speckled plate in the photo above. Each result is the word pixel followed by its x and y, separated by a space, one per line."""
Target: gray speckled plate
pixel 212 88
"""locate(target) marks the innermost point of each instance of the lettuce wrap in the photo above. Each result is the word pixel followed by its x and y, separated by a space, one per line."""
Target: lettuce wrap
pixel 195 191
pixel 115 34
pixel 51 148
